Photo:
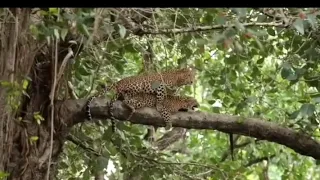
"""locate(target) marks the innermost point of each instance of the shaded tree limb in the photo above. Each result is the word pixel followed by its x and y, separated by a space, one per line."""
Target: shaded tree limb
pixel 170 137
pixel 79 143
pixel 72 111
pixel 208 28
pixel 258 160
pixel 237 146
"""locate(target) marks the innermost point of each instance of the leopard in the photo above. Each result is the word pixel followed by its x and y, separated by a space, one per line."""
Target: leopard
pixel 172 104
pixel 155 83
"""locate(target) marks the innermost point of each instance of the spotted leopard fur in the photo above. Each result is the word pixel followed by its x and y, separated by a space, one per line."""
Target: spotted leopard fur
pixel 171 104
pixel 153 83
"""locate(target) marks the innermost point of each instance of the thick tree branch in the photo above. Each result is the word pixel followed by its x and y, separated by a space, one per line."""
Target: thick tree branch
pixel 71 112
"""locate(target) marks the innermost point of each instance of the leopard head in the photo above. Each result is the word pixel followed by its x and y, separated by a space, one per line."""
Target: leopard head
pixel 189 103
pixel 186 76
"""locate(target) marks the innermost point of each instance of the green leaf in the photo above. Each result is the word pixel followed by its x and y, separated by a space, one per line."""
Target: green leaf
pixel 183 60
pixel 260 61
pixel 187 52
pixel 5 84
pixel 312 18
pixel 316 98
pixel 25 93
pixel 221 20
pixel 307 110
pixel 201 42
pixel 208 18
pixel 25 84
pixel 56 33
pixel 122 31
pixel 186 39
pixel 230 33
pixel 119 67
pixel 261 18
pixel 294 115
pixel 4 174
pixel 271 31
pixel 241 12
pixel 102 163
pixel 199 63
pixel 48 39
pixel 54 11
pixel 238 46
pixel 34 138
pixel 298 24
pixel 287 72
pixel 259 44
pixel 83 71
pixel 239 25
pixel 63 33
pixel 83 29
pixel 231 60
pixel 86 174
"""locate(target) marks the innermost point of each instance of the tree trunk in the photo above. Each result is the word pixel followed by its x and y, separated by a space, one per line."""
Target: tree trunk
pixel 25 144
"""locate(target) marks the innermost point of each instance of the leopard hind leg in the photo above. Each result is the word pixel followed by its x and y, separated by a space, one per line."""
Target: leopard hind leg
pixel 111 108
pixel 167 118
pixel 161 93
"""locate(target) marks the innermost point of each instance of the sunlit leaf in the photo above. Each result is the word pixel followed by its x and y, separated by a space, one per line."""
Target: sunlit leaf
pixel 4 174
pixel 298 24
pixel 221 20
pixel 56 33
pixel 122 31
pixel 312 18
pixel 64 33
pixel 307 110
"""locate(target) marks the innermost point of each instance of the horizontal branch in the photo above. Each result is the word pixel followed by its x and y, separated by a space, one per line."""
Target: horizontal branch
pixel 71 112
pixel 209 28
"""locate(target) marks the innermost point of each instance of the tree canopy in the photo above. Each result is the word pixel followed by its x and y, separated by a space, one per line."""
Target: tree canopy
pixel 257 78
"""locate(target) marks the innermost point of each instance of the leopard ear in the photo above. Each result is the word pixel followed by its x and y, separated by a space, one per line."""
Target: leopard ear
pixel 191 68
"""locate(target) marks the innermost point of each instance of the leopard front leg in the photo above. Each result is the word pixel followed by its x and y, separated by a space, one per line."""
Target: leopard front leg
pixel 166 117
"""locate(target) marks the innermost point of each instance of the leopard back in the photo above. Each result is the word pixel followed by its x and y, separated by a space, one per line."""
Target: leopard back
pixel 144 83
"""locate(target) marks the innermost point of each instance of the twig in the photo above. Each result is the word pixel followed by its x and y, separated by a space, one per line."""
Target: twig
pixel 63 66
pixel 51 96
pixel 72 91
pixel 97 20
pixel 174 163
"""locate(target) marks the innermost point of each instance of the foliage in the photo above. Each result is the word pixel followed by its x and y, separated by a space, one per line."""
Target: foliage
pixel 256 65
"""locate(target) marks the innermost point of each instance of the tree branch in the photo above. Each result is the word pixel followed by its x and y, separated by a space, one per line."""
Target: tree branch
pixel 209 28
pixel 71 112
pixel 258 160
